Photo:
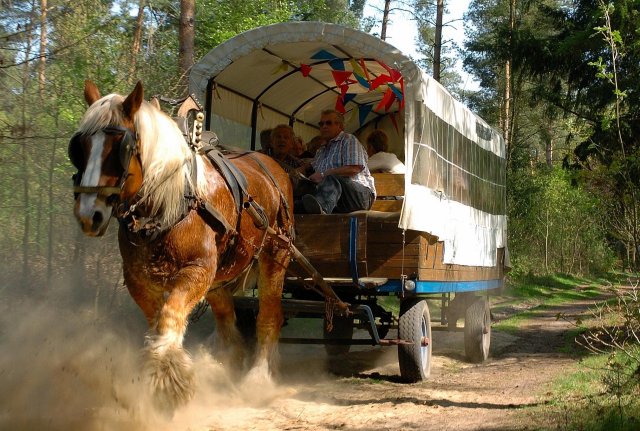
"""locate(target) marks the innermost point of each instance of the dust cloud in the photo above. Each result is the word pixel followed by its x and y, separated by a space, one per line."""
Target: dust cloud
pixel 64 368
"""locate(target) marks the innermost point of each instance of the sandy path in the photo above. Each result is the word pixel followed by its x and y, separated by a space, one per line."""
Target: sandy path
pixel 459 396
pixel 67 374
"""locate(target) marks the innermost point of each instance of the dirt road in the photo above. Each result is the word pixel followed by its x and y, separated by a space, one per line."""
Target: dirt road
pixel 367 394
pixel 61 372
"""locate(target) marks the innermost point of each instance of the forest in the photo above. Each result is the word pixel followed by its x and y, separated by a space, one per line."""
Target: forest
pixel 558 78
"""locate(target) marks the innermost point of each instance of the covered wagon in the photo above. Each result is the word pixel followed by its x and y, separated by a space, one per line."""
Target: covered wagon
pixel 437 232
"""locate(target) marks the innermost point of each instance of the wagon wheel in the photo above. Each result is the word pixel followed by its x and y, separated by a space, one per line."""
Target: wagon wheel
pixel 414 326
pixel 477 331
pixel 342 328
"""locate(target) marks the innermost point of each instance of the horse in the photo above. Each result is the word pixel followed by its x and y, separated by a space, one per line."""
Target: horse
pixel 183 236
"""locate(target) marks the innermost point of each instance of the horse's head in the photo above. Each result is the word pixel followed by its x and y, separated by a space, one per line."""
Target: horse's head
pixel 105 153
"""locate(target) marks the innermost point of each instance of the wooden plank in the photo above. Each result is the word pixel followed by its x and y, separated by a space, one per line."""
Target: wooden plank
pixel 389 192
pixel 387 205
pixel 389 184
pixel 459 273
pixel 328 236
pixel 412 250
pixel 337 269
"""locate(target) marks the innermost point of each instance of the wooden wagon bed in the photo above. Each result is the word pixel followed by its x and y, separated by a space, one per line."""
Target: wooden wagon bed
pixel 370 244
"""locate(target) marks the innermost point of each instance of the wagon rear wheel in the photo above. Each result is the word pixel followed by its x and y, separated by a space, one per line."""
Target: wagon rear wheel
pixel 342 329
pixel 415 326
pixel 477 331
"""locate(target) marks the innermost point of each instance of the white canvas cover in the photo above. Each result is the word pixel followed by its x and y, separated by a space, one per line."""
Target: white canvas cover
pixel 290 72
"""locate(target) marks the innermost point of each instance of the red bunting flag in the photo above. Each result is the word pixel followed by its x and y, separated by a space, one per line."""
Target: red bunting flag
pixel 340 76
pixel 393 73
pixel 343 90
pixel 305 69
pixel 340 105
pixel 386 101
pixel 382 79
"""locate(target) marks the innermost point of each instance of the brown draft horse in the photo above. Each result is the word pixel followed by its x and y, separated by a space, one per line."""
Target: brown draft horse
pixel 134 163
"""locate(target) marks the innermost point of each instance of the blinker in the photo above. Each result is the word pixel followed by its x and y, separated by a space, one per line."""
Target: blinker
pixel 127 149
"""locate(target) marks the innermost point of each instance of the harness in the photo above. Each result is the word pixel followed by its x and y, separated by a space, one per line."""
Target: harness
pixel 235 181
pixel 128 148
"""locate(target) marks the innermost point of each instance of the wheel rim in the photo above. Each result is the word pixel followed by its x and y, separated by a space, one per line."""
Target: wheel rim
pixel 486 333
pixel 424 350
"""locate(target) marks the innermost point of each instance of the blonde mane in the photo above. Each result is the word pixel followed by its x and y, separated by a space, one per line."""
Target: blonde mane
pixel 164 153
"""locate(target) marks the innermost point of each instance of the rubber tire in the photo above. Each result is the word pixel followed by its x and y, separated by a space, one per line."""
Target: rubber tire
pixel 342 328
pixel 414 324
pixel 477 331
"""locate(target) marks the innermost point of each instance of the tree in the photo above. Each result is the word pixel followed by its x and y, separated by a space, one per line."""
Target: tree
pixel 438 55
pixel 186 39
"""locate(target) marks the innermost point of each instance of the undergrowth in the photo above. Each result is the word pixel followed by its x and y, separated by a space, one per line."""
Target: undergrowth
pixel 601 392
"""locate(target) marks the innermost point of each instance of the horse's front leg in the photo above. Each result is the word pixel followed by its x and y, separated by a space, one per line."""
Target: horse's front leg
pixel 168 365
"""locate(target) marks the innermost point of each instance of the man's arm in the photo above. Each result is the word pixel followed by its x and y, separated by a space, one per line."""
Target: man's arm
pixel 343 171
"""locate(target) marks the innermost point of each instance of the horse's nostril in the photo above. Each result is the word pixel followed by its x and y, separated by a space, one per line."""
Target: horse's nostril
pixel 97 218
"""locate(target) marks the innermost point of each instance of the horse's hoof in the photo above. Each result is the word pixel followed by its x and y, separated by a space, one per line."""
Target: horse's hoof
pixel 171 378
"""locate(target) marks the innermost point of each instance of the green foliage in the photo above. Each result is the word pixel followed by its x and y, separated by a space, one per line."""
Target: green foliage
pixel 219 20
pixel 554 226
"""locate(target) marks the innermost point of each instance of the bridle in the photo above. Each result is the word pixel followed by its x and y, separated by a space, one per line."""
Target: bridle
pixel 128 149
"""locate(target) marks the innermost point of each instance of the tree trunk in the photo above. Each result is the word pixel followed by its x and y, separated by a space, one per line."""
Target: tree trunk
pixel 549 152
pixel 137 43
pixel 43 48
pixel 187 36
pixel 24 155
pixel 52 165
pixel 507 77
pixel 385 19
pixel 437 45
pixel 546 242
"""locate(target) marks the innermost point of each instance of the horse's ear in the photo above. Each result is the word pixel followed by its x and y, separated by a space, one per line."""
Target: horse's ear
pixel 91 92
pixel 133 101
pixel 155 102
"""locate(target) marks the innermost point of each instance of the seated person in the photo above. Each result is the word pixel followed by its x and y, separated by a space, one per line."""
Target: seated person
pixel 314 144
pixel 379 159
pixel 282 147
pixel 265 142
pixel 299 149
pixel 343 182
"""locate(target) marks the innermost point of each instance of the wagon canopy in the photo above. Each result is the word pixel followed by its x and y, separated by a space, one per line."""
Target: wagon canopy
pixel 290 72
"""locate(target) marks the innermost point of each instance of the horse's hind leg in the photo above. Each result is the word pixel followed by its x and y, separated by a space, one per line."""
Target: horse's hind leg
pixel 271 273
pixel 228 340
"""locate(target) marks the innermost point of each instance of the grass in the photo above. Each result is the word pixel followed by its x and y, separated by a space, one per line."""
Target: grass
pixel 537 294
pixel 594 396
pixel 601 391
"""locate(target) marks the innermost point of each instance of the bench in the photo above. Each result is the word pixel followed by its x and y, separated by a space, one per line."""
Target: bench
pixel 389 192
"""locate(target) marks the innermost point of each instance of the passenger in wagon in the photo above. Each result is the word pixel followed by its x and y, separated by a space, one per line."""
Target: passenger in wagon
pixel 282 147
pixel 343 181
pixel 380 160
pixel 265 142
pixel 314 144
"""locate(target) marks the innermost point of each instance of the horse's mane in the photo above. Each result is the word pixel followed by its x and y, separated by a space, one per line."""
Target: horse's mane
pixel 166 158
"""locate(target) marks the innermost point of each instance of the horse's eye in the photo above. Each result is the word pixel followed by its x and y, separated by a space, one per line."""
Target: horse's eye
pixel 75 151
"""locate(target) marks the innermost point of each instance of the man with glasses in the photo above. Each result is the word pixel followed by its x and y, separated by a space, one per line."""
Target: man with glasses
pixel 343 181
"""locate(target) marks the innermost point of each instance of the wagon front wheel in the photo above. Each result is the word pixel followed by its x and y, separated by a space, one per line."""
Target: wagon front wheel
pixel 414 326
pixel 477 331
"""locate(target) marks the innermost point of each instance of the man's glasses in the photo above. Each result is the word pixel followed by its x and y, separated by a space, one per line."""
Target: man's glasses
pixel 328 123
